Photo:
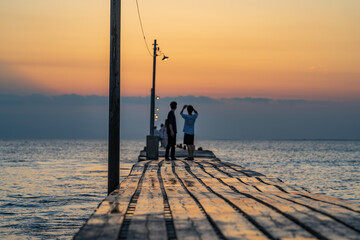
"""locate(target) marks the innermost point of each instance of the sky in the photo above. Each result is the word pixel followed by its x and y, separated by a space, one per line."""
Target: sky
pixel 273 49
pixel 271 69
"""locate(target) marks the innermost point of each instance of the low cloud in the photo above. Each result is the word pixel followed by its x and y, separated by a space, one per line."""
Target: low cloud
pixel 76 116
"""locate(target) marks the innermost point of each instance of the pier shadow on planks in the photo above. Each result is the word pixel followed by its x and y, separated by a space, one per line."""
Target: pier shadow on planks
pixel 211 199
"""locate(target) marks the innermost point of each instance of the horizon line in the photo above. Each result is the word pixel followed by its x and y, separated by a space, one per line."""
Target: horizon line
pixel 200 139
pixel 189 95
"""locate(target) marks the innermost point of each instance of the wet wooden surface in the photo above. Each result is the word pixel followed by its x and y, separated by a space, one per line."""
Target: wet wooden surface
pixel 211 199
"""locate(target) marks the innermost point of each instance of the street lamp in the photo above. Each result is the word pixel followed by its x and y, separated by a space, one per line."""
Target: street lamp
pixel 152 142
pixel 152 107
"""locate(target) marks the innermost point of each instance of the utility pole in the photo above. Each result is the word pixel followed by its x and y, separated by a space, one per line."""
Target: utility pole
pixel 114 98
pixel 152 108
pixel 152 141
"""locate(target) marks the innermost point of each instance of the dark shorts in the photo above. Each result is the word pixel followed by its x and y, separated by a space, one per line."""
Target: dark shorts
pixel 188 139
pixel 171 140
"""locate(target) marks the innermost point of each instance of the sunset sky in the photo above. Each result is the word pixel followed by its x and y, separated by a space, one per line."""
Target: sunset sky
pixel 272 48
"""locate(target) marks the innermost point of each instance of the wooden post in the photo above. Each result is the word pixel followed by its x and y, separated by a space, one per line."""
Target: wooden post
pixel 114 98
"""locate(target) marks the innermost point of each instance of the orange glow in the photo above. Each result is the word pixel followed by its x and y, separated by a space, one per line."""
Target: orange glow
pixel 278 49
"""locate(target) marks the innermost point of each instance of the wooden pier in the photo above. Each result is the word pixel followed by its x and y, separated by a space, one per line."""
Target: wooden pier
pixel 211 199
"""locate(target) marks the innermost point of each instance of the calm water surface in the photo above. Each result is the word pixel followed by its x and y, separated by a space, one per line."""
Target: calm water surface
pixel 49 188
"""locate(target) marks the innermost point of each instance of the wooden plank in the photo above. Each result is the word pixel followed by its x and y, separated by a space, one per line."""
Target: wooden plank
pixel 208 165
pixel 190 222
pixel 226 172
pixel 106 221
pixel 125 169
pixel 322 226
pixel 290 188
pixel 325 225
pixel 121 201
pixel 210 199
pixel 273 184
pixel 333 200
pixel 269 187
pixel 349 221
pixel 246 184
pixel 231 171
pixel 217 172
pixel 346 217
pixel 148 220
pixel 232 224
pixel 278 226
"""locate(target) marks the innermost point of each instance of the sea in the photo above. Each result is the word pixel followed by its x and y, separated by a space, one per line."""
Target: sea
pixel 48 188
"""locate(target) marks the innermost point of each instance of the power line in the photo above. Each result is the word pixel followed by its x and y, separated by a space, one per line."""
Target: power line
pixel 142 28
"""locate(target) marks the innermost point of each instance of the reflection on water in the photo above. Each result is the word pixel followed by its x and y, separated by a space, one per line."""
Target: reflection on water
pixel 49 188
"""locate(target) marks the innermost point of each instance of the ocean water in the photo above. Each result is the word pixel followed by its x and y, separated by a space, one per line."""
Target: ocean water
pixel 50 187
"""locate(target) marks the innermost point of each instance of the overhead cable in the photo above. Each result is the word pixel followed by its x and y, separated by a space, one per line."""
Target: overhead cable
pixel 142 28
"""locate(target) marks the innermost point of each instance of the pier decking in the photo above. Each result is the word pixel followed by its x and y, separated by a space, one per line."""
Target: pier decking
pixel 211 199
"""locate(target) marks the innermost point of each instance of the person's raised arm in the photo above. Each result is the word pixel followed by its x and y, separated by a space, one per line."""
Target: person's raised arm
pixel 195 111
pixel 182 110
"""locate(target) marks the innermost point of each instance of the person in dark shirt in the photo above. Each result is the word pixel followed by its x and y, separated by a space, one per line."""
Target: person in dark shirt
pixel 171 131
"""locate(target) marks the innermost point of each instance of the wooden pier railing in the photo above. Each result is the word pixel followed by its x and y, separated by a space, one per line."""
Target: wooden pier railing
pixel 211 199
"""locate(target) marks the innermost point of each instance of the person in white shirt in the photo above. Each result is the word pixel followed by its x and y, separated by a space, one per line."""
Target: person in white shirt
pixel 163 135
pixel 156 132
pixel 189 130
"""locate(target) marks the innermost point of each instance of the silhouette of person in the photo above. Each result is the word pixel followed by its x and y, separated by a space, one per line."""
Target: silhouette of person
pixel 156 132
pixel 165 139
pixel 161 135
pixel 171 132
pixel 189 130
